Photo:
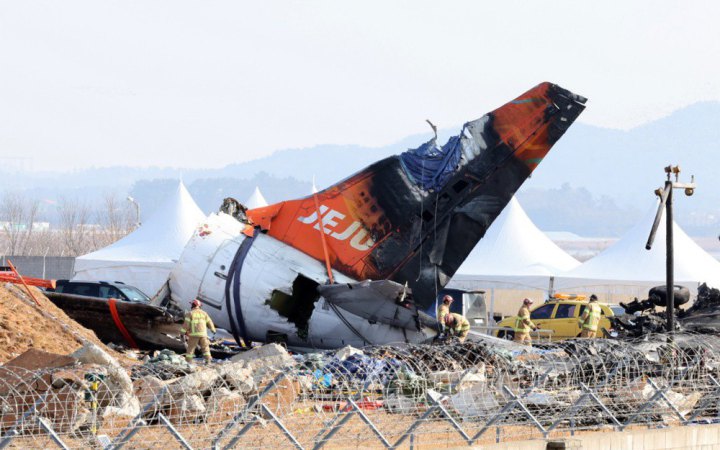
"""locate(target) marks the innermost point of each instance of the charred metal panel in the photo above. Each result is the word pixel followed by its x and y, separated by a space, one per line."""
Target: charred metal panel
pixel 377 301
pixel 148 325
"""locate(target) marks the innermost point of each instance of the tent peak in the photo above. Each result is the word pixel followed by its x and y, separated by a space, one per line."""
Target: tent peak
pixel 256 200
pixel 514 246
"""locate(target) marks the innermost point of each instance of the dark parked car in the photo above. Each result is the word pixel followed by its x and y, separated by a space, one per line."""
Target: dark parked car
pixel 102 289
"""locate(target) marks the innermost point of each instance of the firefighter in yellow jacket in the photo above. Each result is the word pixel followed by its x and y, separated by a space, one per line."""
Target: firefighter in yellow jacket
pixel 444 310
pixel 457 325
pixel 523 324
pixel 195 328
pixel 590 318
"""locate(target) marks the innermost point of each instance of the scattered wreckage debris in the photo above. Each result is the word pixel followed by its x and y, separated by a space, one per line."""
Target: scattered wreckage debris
pixel 704 315
pixel 12 276
pixel 137 324
pixel 91 378
pixel 474 383
pixel 234 208
pixel 642 319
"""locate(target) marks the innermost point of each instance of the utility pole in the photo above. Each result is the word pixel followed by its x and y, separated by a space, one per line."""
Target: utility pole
pixel 137 211
pixel 666 201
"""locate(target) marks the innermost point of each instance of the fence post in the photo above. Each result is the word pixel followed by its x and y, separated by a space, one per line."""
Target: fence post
pixel 124 436
pixel 174 431
pixel 48 429
pixel 250 405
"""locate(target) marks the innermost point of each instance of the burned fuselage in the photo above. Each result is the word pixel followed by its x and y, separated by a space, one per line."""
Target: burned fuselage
pixel 410 220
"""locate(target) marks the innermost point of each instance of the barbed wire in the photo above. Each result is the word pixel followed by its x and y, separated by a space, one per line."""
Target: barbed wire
pixel 440 395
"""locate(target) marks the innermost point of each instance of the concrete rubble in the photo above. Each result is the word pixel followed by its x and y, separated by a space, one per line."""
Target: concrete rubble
pixel 472 381
pixel 269 357
pixel 237 376
pixel 165 382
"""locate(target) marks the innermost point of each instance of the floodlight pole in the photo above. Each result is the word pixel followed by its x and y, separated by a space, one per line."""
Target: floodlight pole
pixel 137 211
pixel 666 201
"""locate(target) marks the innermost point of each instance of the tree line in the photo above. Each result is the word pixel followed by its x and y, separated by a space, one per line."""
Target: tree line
pixel 81 227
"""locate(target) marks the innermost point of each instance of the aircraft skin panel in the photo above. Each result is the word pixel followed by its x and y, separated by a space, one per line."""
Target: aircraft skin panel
pixel 198 261
pixel 270 265
pixel 396 220
pixel 329 332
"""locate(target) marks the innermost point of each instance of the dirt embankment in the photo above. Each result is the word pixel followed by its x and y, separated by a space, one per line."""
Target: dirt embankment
pixel 23 326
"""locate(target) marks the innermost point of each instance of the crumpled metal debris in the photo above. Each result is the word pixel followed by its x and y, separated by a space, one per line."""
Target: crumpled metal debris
pixel 642 318
pixel 165 364
pixel 704 315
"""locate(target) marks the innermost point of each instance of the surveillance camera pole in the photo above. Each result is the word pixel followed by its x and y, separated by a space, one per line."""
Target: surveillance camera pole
pixel 666 201
pixel 669 261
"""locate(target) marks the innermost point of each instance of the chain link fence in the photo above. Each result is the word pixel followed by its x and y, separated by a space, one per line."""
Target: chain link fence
pixel 402 396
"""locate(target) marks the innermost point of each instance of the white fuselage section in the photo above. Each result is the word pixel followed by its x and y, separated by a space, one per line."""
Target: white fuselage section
pixel 276 294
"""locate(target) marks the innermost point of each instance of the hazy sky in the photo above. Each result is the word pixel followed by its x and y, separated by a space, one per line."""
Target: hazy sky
pixel 204 84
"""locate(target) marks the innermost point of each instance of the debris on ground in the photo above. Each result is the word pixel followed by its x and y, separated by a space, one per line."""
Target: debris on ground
pixel 89 384
pixel 343 353
pixel 642 319
pixel 704 315
pixel 265 358
pixel 117 379
pixel 470 380
pixel 164 364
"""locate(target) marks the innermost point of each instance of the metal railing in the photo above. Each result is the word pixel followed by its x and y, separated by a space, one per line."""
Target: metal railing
pixel 388 396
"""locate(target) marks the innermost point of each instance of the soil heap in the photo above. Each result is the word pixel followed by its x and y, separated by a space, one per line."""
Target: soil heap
pixel 23 325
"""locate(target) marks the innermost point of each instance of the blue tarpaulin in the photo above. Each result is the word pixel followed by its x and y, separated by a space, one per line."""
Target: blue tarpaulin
pixel 431 166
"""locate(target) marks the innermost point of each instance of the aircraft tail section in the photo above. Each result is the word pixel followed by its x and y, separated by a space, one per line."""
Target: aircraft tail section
pixel 415 217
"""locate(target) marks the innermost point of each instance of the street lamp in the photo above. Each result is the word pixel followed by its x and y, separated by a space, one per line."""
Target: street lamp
pixel 137 211
pixel 666 202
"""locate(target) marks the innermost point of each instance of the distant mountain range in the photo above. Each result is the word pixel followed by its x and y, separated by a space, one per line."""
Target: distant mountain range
pixel 594 182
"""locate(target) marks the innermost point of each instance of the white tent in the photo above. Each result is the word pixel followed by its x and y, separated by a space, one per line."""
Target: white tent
pixel 514 252
pixel 256 200
pixel 145 257
pixel 627 262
